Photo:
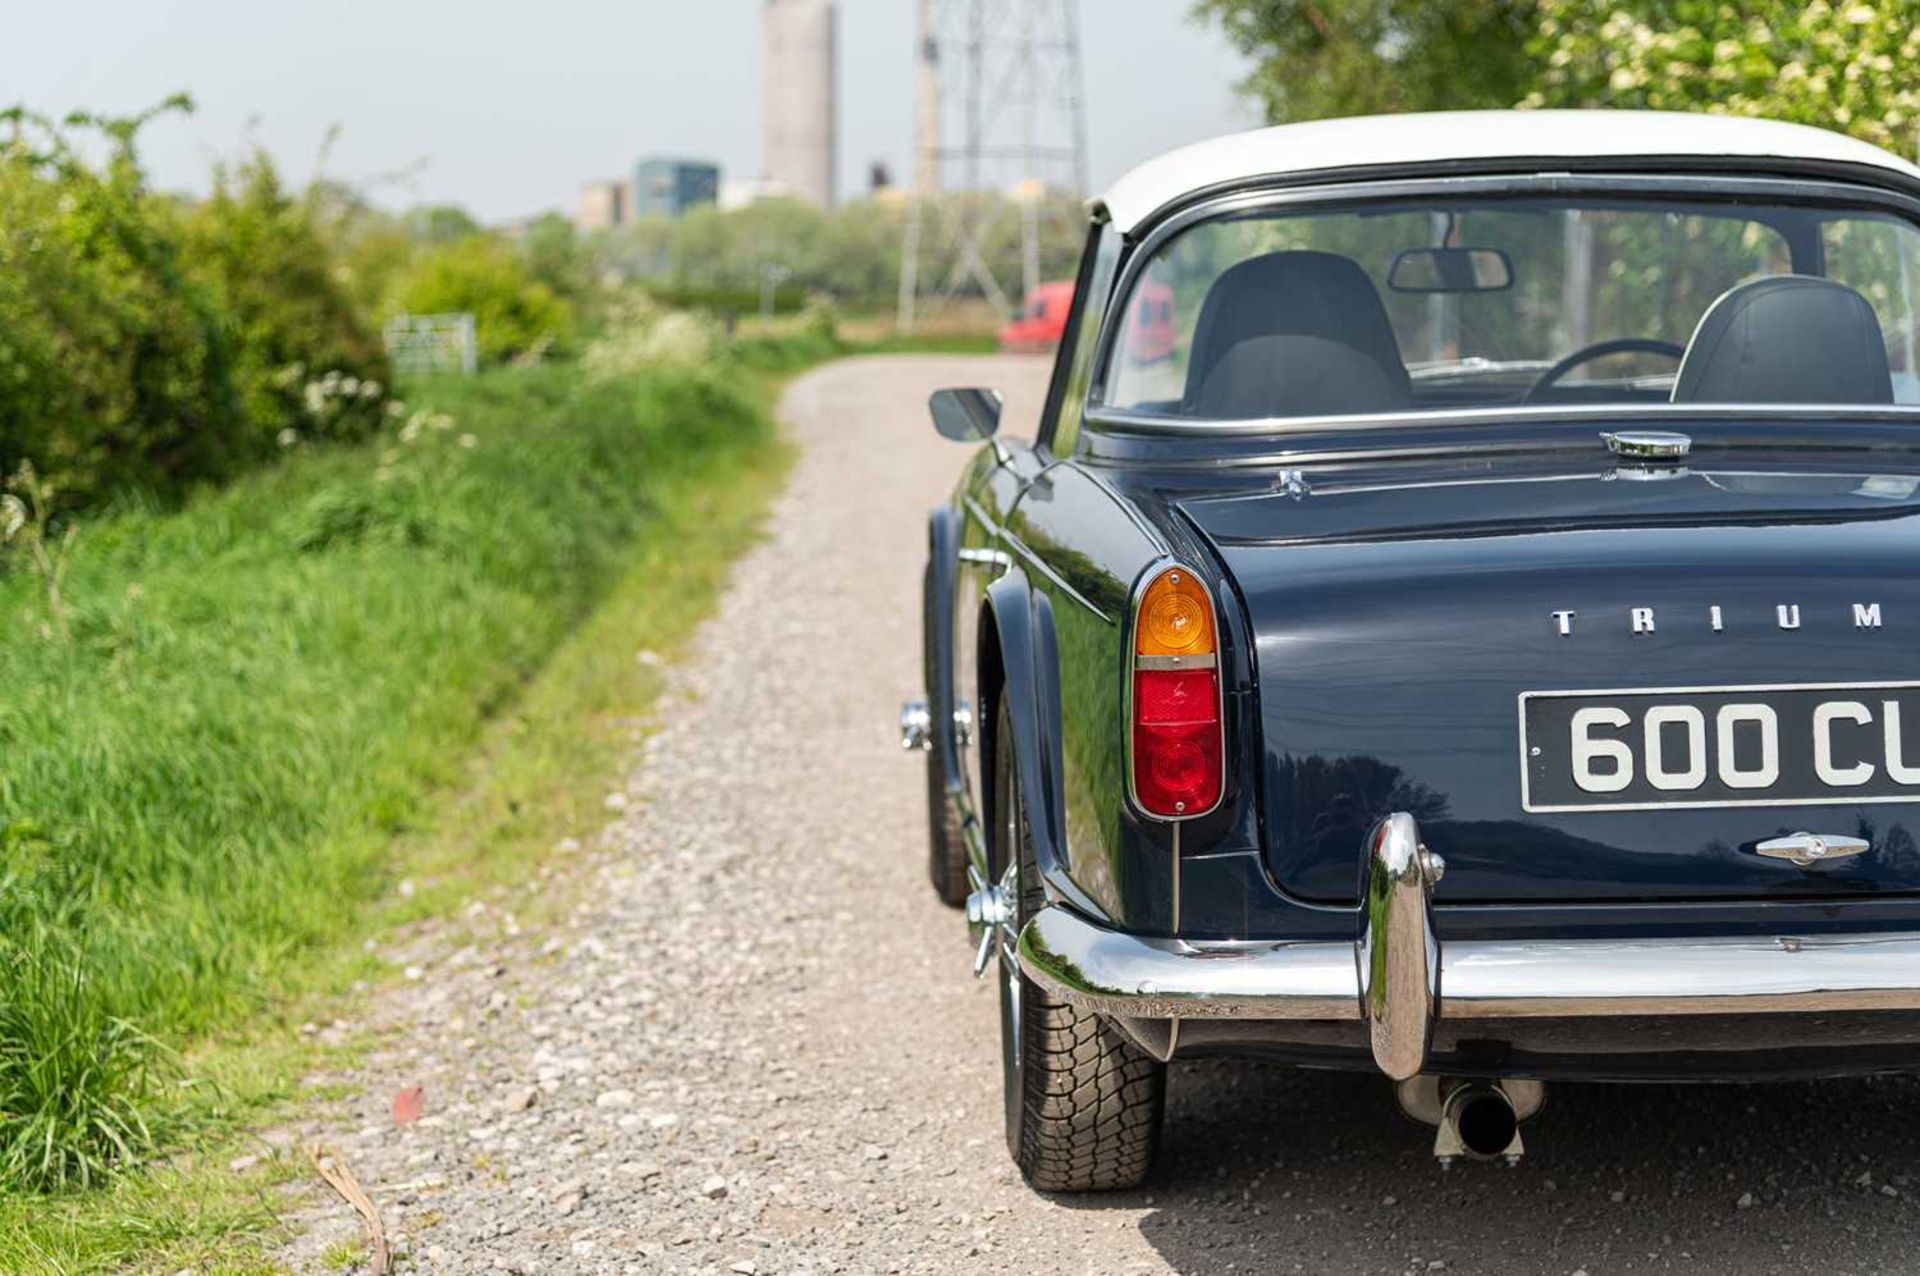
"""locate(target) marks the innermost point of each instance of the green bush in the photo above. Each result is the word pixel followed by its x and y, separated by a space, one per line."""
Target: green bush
pixel 307 361
pixel 514 314
pixel 115 366
pixel 201 782
pixel 148 346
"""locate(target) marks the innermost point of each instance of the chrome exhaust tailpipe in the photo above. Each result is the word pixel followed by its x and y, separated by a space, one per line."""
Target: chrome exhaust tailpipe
pixel 1479 1120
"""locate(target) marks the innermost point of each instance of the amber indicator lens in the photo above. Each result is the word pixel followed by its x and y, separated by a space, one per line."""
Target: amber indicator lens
pixel 1176 617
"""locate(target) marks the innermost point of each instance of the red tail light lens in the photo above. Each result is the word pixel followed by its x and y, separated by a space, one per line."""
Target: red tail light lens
pixel 1176 740
pixel 1177 764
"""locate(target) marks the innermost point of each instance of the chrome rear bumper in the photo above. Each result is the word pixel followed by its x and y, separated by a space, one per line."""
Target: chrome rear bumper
pixel 1398 979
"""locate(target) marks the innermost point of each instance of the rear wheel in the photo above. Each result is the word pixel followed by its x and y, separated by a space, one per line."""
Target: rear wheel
pixel 1083 1103
pixel 946 845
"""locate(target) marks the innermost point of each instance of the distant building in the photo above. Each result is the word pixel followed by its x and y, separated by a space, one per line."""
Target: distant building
pixel 669 187
pixel 738 192
pixel 799 122
pixel 603 206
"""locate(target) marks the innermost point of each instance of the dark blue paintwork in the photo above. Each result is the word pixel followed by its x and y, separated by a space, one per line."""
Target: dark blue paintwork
pixel 1378 629
pixel 1399 618
pixel 1376 632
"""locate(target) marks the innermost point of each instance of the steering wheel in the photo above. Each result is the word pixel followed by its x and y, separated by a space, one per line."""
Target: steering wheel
pixel 1600 350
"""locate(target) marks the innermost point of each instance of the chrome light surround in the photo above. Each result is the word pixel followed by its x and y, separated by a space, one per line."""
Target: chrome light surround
pixel 1132 663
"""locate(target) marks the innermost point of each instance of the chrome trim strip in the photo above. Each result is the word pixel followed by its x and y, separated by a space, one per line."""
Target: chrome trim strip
pixel 993 558
pixel 1208 661
pixel 979 511
pixel 1112 972
pixel 1160 425
pixel 1334 487
pixel 1046 569
pixel 1175 849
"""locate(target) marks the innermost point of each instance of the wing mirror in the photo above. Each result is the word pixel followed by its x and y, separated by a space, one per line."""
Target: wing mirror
pixel 965 416
pixel 1451 270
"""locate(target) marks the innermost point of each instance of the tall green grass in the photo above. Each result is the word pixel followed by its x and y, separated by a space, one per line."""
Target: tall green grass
pixel 203 782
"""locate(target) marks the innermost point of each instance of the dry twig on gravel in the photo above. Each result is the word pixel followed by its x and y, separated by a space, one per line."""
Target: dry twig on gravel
pixel 332 1167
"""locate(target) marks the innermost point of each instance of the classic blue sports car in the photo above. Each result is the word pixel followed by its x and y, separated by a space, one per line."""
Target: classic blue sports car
pixel 1484 649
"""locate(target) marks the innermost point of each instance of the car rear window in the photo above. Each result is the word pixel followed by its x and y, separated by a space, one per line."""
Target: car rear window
pixel 1415 306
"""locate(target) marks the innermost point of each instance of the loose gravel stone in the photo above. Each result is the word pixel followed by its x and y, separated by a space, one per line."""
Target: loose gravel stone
pixel 750 953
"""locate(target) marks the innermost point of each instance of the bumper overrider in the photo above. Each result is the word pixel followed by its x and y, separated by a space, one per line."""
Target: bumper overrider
pixel 1398 980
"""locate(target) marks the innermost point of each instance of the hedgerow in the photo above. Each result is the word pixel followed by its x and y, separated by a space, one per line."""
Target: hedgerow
pixel 210 742
pixel 147 345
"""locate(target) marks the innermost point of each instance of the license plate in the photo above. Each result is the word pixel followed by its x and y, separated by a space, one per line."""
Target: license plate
pixel 1640 749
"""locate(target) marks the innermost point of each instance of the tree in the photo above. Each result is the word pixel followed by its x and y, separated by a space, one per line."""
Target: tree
pixel 1319 58
pixel 440 223
pixel 556 257
pixel 513 313
pixel 259 250
pixel 1854 67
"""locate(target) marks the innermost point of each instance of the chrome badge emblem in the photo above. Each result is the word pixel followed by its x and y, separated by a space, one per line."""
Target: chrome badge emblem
pixel 1646 620
pixel 1804 850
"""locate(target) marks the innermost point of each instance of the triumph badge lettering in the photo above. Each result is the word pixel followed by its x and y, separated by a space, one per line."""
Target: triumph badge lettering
pixel 1643 749
pixel 1646 620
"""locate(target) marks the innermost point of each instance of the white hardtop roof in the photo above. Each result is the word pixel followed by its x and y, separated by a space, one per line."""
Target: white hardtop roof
pixel 1371 140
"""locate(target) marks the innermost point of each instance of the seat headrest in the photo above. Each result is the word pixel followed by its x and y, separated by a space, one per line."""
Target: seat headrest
pixel 1290 375
pixel 1786 339
pixel 1297 294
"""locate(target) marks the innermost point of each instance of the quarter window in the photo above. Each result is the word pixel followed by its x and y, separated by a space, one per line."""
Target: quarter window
pixel 1095 289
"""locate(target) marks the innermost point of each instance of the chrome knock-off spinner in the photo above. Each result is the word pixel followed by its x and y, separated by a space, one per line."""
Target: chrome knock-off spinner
pixel 990 916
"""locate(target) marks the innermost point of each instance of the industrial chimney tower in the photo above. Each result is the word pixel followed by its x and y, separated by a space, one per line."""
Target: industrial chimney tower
pixel 1001 127
pixel 800 124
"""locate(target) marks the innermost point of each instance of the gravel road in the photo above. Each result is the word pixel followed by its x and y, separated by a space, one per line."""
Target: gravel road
pixel 754 1045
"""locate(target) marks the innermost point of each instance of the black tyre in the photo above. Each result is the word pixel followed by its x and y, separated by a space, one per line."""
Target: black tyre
pixel 1083 1103
pixel 946 844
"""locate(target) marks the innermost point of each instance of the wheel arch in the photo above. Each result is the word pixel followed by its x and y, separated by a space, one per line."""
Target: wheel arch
pixel 1019 663
pixel 943 557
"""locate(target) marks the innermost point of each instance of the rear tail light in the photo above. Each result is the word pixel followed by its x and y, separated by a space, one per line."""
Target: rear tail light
pixel 1176 760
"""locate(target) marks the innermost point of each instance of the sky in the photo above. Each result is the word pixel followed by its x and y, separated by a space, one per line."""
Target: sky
pixel 508 108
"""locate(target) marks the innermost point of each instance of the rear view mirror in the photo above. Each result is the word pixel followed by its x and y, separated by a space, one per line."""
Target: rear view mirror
pixel 1451 270
pixel 965 416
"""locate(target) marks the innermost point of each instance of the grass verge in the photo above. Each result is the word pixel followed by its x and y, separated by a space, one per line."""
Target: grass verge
pixel 268 713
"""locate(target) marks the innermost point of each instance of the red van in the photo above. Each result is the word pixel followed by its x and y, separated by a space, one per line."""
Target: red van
pixel 1042 320
pixel 1149 334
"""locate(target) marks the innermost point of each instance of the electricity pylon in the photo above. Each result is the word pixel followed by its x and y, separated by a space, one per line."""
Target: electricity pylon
pixel 1001 133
